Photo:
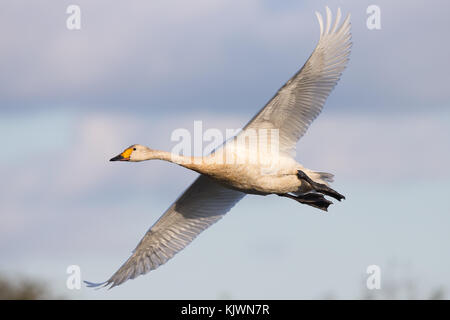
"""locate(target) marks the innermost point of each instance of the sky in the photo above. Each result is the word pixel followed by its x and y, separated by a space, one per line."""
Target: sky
pixel 137 71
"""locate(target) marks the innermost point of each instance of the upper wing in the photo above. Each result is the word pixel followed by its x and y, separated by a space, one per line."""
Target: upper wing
pixel 301 99
pixel 201 205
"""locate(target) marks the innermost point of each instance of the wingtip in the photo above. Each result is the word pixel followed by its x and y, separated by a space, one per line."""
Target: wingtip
pixel 326 27
pixel 329 17
pixel 320 19
pixel 347 18
pixel 96 285
pixel 337 20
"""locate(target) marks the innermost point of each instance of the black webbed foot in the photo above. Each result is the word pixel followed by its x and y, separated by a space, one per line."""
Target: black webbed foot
pixel 320 187
pixel 315 200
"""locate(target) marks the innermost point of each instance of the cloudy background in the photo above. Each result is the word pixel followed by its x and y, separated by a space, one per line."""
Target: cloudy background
pixel 137 70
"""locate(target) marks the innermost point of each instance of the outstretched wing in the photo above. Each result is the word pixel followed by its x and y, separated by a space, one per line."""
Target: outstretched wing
pixel 301 99
pixel 201 205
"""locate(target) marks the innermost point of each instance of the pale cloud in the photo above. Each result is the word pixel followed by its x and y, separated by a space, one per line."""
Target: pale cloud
pixel 355 147
pixel 388 149
pixel 51 176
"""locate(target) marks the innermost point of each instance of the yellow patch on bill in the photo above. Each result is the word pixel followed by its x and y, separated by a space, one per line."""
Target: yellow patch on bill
pixel 126 154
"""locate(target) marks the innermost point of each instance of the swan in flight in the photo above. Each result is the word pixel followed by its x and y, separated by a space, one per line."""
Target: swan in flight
pixel 221 184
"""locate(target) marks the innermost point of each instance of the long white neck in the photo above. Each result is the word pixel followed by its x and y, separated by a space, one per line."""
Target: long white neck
pixel 193 163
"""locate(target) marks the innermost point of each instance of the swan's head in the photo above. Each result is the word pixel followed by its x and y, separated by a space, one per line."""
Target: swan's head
pixel 134 153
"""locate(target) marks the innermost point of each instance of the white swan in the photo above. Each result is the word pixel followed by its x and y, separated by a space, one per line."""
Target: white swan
pixel 222 184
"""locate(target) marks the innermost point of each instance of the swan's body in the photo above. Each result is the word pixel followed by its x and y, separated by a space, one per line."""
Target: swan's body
pixel 247 177
pixel 235 169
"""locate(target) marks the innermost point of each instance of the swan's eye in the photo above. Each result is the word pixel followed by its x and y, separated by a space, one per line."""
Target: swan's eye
pixel 134 149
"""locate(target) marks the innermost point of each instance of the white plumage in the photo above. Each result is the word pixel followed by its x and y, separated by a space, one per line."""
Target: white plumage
pixel 220 187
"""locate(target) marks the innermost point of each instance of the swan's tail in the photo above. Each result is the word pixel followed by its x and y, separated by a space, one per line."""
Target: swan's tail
pixel 320 177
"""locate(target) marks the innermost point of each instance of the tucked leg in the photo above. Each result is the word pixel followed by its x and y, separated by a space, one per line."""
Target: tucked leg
pixel 320 187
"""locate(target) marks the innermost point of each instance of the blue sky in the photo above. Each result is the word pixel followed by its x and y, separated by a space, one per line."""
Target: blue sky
pixel 70 100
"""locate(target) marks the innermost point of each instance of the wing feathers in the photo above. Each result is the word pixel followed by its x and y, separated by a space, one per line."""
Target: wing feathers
pixel 319 17
pixel 200 206
pixel 301 99
pixel 338 19
pixel 328 19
